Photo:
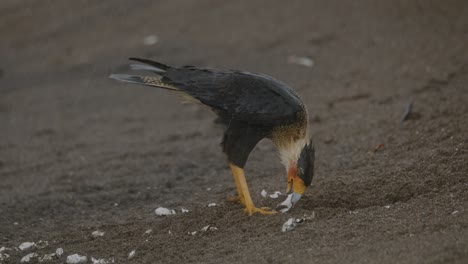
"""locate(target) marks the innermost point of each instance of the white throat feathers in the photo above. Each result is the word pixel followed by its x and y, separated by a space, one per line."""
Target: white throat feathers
pixel 290 150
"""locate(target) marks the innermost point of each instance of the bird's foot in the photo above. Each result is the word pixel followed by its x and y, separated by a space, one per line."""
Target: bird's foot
pixel 236 199
pixel 250 210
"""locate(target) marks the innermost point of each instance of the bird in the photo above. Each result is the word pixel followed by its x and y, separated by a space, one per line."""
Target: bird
pixel 250 107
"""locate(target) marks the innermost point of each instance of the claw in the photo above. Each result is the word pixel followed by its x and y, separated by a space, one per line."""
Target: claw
pixel 250 210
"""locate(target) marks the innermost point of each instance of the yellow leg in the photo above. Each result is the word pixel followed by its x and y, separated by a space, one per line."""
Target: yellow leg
pixel 240 195
pixel 244 194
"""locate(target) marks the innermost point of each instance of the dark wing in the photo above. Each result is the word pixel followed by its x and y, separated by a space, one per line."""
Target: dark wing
pixel 252 98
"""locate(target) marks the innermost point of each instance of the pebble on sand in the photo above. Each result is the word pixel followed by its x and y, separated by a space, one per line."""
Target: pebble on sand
pixel 212 205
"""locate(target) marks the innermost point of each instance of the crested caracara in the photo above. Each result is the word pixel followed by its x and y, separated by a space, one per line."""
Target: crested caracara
pixel 251 107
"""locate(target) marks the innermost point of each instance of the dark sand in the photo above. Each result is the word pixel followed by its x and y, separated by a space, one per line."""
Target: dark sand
pixel 80 152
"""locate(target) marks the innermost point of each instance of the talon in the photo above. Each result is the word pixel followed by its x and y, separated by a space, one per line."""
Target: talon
pixel 263 210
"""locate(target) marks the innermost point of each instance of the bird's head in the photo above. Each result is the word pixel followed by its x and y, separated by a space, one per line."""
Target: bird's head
pixel 300 172
pixel 298 157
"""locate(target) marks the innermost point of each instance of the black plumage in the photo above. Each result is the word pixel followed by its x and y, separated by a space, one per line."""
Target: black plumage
pixel 251 107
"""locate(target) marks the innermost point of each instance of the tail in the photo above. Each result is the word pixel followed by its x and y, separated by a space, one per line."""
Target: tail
pixel 150 66
pixel 154 81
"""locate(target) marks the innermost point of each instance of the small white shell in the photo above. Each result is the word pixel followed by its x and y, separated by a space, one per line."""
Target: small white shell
pixel 164 211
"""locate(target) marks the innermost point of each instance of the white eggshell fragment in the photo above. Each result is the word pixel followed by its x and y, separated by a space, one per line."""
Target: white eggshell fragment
pixel 275 195
pixel 26 245
pixel 287 204
pixel 131 254
pixel 97 233
pixel 164 211
pixel 75 259
pixel 28 257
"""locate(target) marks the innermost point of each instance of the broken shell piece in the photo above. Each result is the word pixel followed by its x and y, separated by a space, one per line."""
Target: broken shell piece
pixel 28 257
pixel 264 194
pixel 275 195
pixel 26 245
pixel 75 259
pixel 42 244
pixel 164 211
pixel 47 257
pixel 149 231
pixel 131 254
pixel 303 61
pixel 212 205
pixel 59 251
pixel 209 228
pixel 286 205
pixel 150 40
pixel 101 261
pixel 183 210
pixel 4 256
pixel 291 224
pixel 97 233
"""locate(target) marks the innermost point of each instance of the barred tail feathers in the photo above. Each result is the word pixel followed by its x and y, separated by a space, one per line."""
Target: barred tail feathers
pixel 154 81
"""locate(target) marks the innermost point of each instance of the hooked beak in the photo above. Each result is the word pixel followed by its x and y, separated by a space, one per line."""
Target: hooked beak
pixel 296 186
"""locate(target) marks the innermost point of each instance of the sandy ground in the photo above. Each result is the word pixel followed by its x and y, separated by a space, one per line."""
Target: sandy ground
pixel 80 152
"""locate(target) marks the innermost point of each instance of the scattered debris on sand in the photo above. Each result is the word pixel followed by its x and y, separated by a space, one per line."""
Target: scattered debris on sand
pixel 150 40
pixel 75 259
pixel 274 195
pixel 286 205
pixel 102 261
pixel 303 61
pixel 407 113
pixel 59 251
pixel 209 228
pixel 379 147
pixel 161 211
pixel 97 233
pixel 47 257
pixel 4 255
pixel 28 257
pixel 42 244
pixel 291 224
pixel 131 254
pixel 26 245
